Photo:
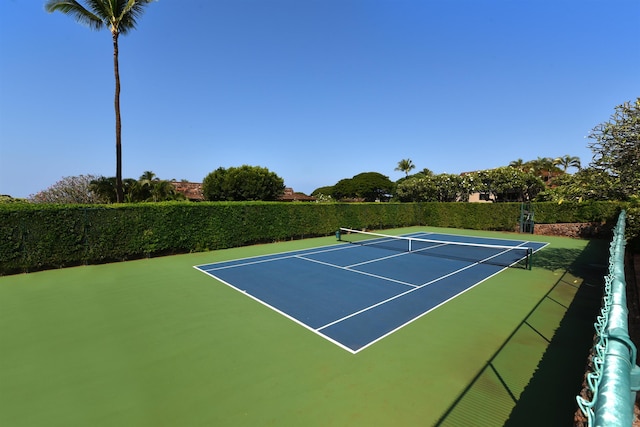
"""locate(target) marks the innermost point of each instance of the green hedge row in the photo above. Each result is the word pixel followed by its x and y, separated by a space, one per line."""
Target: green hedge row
pixel 35 237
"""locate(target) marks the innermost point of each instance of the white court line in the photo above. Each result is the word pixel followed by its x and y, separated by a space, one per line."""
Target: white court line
pixel 339 344
pixel 273 257
pixel 388 279
pixel 409 291
pixel 300 253
pixel 378 259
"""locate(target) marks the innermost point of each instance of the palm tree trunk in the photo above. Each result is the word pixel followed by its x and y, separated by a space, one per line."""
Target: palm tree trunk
pixel 116 70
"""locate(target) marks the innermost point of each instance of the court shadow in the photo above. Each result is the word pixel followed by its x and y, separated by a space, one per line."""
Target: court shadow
pixel 574 261
pixel 550 396
pixel 560 327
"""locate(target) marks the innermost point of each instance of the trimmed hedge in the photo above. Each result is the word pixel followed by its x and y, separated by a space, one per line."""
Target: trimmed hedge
pixel 35 237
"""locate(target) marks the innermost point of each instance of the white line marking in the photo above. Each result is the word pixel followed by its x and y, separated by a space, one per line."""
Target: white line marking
pixel 378 259
pixel 388 279
pixel 409 291
pixel 268 258
pixel 339 344
pixel 300 254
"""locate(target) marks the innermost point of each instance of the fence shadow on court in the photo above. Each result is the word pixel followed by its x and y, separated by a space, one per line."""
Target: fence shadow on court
pixel 555 338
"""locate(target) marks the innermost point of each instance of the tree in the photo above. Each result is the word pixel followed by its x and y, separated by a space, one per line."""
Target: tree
pixel 405 165
pixel 518 164
pixel 143 189
pixel 567 162
pixel 6 199
pixel 242 183
pixel 323 194
pixel 616 147
pixel 327 190
pixel 105 188
pixel 507 184
pixel 435 188
pixel 162 190
pixel 448 187
pixel 120 16
pixel 149 188
pixel 366 186
pixel 542 167
pixel 416 188
pixel 70 189
pixel 586 184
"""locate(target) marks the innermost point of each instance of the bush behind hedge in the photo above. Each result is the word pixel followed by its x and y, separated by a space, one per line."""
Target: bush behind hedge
pixel 35 237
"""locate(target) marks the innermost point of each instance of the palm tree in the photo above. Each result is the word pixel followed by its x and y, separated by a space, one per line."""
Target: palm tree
pixel 518 164
pixel 543 167
pixel 567 162
pixel 120 17
pixel 405 165
pixel 163 190
pixel 147 181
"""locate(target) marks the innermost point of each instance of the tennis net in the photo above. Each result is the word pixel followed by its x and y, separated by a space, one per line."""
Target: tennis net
pixel 507 256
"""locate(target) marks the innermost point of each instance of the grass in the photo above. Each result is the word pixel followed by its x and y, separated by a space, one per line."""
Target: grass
pixel 154 342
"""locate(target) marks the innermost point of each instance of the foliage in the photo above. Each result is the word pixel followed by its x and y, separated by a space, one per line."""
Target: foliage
pixel 433 188
pixel 616 148
pixel 545 168
pixel 4 199
pixel 505 184
pixel 415 189
pixel 405 165
pixel 328 190
pixel 366 186
pixel 244 183
pixel 70 189
pixel 633 228
pixel 323 198
pixel 586 184
pixel 567 162
pixel 41 236
pixel 572 212
pixel 148 188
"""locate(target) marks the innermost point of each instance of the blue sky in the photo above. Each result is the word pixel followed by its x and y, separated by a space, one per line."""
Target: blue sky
pixel 313 90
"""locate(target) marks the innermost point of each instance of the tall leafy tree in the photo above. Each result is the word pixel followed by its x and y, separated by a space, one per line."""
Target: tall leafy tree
pixel 616 147
pixel 507 184
pixel 586 184
pixel 418 188
pixel 366 186
pixel 120 16
pixel 242 183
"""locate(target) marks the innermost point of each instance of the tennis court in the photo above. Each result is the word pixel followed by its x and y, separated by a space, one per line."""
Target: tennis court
pixel 155 342
pixel 356 294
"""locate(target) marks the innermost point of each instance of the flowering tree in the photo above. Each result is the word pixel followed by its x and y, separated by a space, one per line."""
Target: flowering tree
pixel 616 148
pixel 70 189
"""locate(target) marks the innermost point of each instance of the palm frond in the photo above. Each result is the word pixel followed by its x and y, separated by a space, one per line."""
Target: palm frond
pixel 129 11
pixel 75 9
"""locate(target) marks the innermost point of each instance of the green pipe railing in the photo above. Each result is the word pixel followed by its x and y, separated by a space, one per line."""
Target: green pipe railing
pixel 614 378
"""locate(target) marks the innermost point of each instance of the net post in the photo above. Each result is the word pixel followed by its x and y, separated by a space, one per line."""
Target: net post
pixel 529 258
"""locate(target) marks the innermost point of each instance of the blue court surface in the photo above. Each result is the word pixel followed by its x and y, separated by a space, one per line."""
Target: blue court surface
pixel 356 294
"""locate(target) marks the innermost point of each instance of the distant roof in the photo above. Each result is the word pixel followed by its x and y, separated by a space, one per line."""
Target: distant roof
pixel 291 196
pixel 191 190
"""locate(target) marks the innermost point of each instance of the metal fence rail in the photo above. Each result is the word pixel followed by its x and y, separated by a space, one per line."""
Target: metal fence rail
pixel 614 378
